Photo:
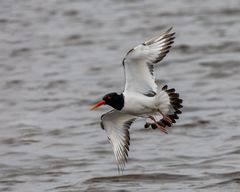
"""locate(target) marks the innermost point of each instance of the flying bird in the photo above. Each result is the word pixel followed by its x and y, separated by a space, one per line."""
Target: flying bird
pixel 142 96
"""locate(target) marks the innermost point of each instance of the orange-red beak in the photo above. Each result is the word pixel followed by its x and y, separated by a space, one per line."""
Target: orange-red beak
pixel 102 102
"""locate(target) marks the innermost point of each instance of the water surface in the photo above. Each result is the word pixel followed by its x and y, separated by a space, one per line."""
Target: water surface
pixel 58 57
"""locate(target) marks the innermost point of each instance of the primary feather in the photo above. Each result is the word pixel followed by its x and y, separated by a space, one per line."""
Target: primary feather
pixel 116 125
pixel 139 63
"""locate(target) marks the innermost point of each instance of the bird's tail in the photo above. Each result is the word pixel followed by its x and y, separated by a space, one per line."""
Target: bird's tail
pixel 169 105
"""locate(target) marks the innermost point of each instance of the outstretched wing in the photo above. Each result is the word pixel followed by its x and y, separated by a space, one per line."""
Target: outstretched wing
pixel 139 62
pixel 116 125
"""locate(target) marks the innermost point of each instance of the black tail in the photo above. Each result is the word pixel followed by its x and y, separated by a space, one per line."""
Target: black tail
pixel 176 103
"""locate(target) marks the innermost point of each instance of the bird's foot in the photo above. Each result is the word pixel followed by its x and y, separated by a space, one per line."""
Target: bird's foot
pixel 156 125
pixel 162 128
pixel 166 119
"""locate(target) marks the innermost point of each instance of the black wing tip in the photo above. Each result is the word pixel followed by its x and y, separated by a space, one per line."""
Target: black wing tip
pixel 168 39
pixel 169 29
pixel 129 122
pixel 167 34
pixel 123 152
pixel 165 87
pixel 120 140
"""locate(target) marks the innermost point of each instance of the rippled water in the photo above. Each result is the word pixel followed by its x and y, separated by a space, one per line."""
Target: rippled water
pixel 58 57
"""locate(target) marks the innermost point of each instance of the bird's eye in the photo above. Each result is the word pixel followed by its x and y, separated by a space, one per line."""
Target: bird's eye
pixel 108 97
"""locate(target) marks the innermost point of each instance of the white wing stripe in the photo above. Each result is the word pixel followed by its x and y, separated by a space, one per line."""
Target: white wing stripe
pixel 116 125
pixel 139 62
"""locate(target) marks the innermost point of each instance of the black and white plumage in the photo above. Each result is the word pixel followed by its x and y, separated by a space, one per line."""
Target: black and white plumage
pixel 139 63
pixel 141 98
pixel 116 125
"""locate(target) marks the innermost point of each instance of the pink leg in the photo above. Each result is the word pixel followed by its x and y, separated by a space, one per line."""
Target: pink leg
pixel 165 117
pixel 163 129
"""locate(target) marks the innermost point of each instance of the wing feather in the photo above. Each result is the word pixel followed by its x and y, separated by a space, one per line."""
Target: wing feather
pixel 117 126
pixel 139 63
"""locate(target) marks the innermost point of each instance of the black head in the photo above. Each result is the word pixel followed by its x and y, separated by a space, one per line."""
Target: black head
pixel 114 100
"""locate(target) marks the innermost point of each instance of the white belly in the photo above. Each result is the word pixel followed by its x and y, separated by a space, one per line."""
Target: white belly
pixel 139 105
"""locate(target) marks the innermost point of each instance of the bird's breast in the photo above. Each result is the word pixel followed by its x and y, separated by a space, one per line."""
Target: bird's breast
pixel 138 104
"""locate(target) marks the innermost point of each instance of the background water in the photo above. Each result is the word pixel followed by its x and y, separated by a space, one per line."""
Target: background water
pixel 57 57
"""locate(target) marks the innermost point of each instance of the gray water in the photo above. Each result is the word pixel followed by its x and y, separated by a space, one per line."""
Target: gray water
pixel 58 57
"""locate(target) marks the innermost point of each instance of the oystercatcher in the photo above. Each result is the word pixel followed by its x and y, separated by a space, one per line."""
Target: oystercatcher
pixel 141 98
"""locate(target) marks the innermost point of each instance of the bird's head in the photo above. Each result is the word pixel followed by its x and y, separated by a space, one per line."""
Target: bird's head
pixel 112 99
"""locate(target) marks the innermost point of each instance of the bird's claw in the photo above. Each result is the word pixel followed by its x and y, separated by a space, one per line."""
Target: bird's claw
pixel 162 128
pixel 155 126
pixel 166 118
